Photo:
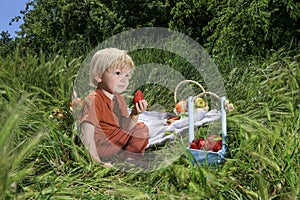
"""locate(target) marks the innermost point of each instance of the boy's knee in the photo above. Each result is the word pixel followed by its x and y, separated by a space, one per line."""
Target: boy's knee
pixel 142 130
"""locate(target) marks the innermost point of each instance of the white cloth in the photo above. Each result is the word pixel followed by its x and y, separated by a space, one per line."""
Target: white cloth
pixel 158 127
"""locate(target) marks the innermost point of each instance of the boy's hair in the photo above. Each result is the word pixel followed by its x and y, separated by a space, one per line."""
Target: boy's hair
pixel 108 59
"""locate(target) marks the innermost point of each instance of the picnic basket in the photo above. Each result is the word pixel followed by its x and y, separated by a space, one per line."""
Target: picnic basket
pixel 205 156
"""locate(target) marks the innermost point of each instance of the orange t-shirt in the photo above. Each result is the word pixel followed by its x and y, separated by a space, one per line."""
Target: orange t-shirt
pixel 98 110
pixel 106 115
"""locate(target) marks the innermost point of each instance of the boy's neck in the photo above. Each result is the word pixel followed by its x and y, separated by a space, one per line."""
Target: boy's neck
pixel 109 95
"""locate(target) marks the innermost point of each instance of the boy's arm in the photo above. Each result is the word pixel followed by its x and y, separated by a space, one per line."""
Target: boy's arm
pixel 88 140
pixel 131 121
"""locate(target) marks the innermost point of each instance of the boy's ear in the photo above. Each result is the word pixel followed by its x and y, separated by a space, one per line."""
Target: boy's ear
pixel 98 78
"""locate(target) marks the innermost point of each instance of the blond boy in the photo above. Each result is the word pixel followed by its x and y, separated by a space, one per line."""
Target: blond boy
pixel 108 129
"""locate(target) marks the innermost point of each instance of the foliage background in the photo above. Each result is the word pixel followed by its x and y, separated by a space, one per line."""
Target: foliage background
pixel 240 27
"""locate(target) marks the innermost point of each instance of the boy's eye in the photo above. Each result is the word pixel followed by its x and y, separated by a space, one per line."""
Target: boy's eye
pixel 118 73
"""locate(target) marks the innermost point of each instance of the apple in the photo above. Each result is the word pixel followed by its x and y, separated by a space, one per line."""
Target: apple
pixel 200 102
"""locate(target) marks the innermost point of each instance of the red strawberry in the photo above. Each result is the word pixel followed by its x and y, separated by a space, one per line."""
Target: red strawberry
pixel 201 143
pixel 138 96
pixel 193 145
pixel 197 141
pixel 217 146
pixel 206 145
pixel 215 142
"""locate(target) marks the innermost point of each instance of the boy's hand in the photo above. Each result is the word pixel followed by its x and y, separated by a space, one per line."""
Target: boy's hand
pixel 139 107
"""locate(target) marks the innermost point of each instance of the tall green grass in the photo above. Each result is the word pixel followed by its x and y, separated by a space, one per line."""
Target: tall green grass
pixel 42 156
pixel 16 144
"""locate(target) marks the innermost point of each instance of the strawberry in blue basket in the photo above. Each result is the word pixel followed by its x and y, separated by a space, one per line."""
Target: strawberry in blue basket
pixel 200 143
pixel 193 145
pixel 196 144
pixel 212 143
pixel 215 142
pixel 217 146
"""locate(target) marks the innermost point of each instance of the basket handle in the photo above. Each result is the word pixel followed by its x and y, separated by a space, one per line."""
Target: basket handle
pixel 185 81
pixel 228 105
pixel 210 93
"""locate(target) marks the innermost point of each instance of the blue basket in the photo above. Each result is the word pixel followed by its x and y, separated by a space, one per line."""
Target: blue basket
pixel 207 157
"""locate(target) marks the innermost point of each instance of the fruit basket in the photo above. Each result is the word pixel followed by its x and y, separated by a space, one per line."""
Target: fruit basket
pixel 207 155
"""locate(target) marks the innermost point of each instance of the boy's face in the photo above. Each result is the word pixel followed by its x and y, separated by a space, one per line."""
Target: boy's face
pixel 115 81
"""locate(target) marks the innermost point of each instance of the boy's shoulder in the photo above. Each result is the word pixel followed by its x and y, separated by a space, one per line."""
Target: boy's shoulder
pixel 92 93
pixel 90 97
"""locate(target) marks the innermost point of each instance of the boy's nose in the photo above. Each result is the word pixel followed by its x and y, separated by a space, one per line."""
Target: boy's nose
pixel 124 78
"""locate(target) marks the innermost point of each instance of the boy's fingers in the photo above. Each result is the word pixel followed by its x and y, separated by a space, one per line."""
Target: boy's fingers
pixel 141 106
pixel 145 104
pixel 137 107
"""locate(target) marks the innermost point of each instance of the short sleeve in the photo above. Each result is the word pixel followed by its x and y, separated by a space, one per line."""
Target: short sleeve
pixel 89 110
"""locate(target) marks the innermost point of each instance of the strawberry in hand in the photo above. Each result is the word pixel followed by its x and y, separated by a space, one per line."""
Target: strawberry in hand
pixel 138 96
pixel 140 104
